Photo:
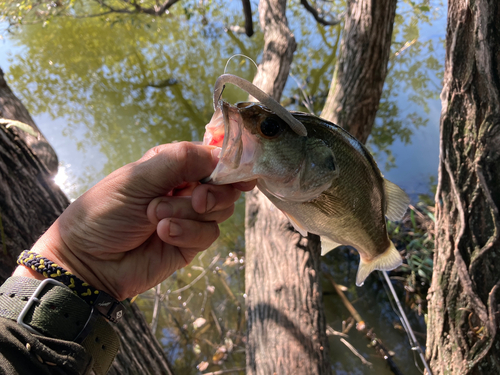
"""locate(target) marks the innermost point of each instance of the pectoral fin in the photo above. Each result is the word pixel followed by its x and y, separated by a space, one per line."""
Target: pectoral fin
pixel 298 227
pixel 386 261
pixel 397 201
pixel 328 245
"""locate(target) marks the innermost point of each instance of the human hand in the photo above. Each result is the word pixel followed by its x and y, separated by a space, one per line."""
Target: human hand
pixel 142 222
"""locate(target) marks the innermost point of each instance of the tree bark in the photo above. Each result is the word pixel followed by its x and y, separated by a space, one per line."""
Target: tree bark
pixel 356 88
pixel 279 46
pixel 285 315
pixel 12 108
pixel 140 352
pixel 464 314
pixel 30 202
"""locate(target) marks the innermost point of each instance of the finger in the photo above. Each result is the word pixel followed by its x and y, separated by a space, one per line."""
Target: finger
pixel 245 186
pixel 188 233
pixel 209 198
pixel 168 166
pixel 185 190
pixel 182 208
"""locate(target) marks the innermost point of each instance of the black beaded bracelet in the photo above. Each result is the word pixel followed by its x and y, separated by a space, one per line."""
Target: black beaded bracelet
pixel 51 270
pixel 101 301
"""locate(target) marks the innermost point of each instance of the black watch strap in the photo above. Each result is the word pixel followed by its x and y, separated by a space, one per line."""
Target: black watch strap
pixel 50 308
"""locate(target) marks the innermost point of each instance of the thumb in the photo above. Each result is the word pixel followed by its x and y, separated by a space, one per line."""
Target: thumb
pixel 170 165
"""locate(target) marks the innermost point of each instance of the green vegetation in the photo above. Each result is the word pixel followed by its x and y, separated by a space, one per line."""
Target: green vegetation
pixel 414 236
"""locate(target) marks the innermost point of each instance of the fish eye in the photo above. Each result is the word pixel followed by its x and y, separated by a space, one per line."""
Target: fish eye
pixel 270 127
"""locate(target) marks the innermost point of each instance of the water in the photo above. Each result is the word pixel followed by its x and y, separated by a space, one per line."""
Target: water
pixel 92 88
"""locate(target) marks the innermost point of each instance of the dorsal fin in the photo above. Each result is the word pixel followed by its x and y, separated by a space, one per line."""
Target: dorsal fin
pixel 397 201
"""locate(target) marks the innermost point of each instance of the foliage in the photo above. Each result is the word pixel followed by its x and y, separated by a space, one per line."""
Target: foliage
pixel 414 236
pixel 26 12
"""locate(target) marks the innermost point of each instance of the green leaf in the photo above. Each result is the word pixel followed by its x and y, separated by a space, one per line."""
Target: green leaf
pixel 422 274
pixel 429 262
pixel 412 217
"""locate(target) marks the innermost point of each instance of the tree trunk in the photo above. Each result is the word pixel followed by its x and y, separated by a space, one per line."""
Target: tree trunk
pixel 285 315
pixel 279 46
pixel 12 108
pixel 140 352
pixel 30 202
pixel 464 314
pixel 356 87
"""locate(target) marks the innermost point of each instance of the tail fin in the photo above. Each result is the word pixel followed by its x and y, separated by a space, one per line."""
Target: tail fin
pixel 386 261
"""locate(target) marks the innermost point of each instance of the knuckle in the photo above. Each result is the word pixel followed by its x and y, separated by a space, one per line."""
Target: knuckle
pixel 151 153
pixel 184 150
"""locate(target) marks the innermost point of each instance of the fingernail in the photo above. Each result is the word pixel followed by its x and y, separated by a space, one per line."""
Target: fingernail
pixel 210 202
pixel 174 230
pixel 163 210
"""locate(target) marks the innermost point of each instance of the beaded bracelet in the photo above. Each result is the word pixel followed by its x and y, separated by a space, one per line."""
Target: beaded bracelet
pixel 51 270
pixel 102 302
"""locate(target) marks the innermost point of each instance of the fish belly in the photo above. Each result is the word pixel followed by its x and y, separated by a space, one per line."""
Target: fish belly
pixel 343 229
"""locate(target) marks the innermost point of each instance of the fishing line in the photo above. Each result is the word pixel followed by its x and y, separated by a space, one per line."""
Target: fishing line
pixel 387 291
pixel 307 100
pixel 227 63
pixel 406 324
pixel 239 54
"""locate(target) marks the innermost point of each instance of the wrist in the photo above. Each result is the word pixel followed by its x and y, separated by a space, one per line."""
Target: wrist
pixel 27 272
pixel 52 246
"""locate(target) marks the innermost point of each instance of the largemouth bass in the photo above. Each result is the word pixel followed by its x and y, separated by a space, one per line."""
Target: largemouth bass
pixel 326 183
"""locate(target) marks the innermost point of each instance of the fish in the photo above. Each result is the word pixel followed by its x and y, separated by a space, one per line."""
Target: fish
pixel 321 177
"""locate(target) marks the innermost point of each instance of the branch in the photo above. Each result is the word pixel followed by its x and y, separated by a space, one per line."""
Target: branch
pixel 94 15
pixel 216 258
pixel 166 5
pixel 111 9
pixel 156 310
pixel 247 11
pixel 356 353
pixel 317 17
pixel 156 10
pixel 331 332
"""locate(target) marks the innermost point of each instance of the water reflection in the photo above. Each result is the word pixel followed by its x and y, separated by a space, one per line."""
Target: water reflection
pixel 131 86
pixel 105 91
